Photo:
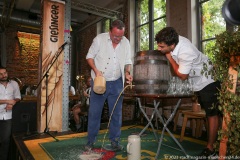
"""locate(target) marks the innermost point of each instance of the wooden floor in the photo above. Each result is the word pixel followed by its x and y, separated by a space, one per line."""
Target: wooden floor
pixel 26 147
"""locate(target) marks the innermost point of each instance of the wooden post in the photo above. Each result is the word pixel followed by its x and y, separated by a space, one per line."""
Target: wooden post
pixel 223 143
pixel 52 39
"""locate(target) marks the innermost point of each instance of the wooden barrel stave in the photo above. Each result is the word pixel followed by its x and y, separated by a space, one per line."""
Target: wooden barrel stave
pixel 151 72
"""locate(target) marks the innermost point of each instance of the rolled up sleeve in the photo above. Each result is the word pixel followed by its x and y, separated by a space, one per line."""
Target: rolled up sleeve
pixel 93 50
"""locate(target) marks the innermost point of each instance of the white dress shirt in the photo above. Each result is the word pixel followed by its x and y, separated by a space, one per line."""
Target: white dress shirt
pixel 110 61
pixel 8 93
pixel 191 61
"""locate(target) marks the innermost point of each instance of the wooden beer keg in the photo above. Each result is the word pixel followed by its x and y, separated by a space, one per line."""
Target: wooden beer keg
pixel 151 72
pixel 99 86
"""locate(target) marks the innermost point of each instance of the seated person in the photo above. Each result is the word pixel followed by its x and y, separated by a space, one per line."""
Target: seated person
pixel 71 92
pixel 76 109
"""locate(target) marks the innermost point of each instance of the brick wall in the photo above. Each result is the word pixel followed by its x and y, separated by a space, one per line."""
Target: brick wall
pixel 85 40
pixel 22 55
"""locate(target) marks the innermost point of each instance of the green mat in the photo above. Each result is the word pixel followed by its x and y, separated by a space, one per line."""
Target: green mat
pixel 71 149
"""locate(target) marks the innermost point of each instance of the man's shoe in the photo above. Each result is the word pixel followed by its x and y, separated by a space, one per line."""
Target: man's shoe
pixel 116 146
pixel 88 146
pixel 78 130
pixel 207 154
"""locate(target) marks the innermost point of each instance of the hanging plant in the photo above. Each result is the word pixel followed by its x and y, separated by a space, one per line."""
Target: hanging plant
pixel 227 53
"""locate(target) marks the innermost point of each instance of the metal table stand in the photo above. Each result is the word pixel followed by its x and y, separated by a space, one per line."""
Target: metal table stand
pixel 149 120
pixel 165 124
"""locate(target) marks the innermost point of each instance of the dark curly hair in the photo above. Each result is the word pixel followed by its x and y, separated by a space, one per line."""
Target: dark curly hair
pixel 167 35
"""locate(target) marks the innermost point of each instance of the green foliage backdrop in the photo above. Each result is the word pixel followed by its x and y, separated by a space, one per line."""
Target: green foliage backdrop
pixel 226 53
pixel 212 23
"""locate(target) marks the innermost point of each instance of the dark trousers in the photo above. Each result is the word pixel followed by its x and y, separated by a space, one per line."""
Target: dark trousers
pixel 5 134
pixel 208 98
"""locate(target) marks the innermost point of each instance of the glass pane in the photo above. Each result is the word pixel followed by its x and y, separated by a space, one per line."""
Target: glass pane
pixel 159 8
pixel 143 39
pixel 107 25
pixel 212 21
pixel 158 25
pixel 207 48
pixel 143 12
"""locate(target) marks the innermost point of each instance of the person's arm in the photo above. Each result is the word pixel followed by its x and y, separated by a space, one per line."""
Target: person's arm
pixel 17 99
pixel 11 101
pixel 94 68
pixel 175 67
pixel 86 94
pixel 128 75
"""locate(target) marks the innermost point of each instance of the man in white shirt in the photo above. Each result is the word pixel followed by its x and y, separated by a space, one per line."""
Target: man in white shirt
pixel 9 95
pixel 188 62
pixel 109 56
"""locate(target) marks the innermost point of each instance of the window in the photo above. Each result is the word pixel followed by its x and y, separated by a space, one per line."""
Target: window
pixel 150 18
pixel 105 25
pixel 211 23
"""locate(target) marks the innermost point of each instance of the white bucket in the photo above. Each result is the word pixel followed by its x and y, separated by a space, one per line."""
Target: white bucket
pixel 134 147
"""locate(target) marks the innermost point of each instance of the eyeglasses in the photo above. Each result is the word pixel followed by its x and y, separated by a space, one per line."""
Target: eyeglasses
pixel 116 37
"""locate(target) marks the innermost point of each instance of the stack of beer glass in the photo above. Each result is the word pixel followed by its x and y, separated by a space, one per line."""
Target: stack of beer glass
pixel 177 86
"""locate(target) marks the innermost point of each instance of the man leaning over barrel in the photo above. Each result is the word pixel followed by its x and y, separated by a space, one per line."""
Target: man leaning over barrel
pixel 188 62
